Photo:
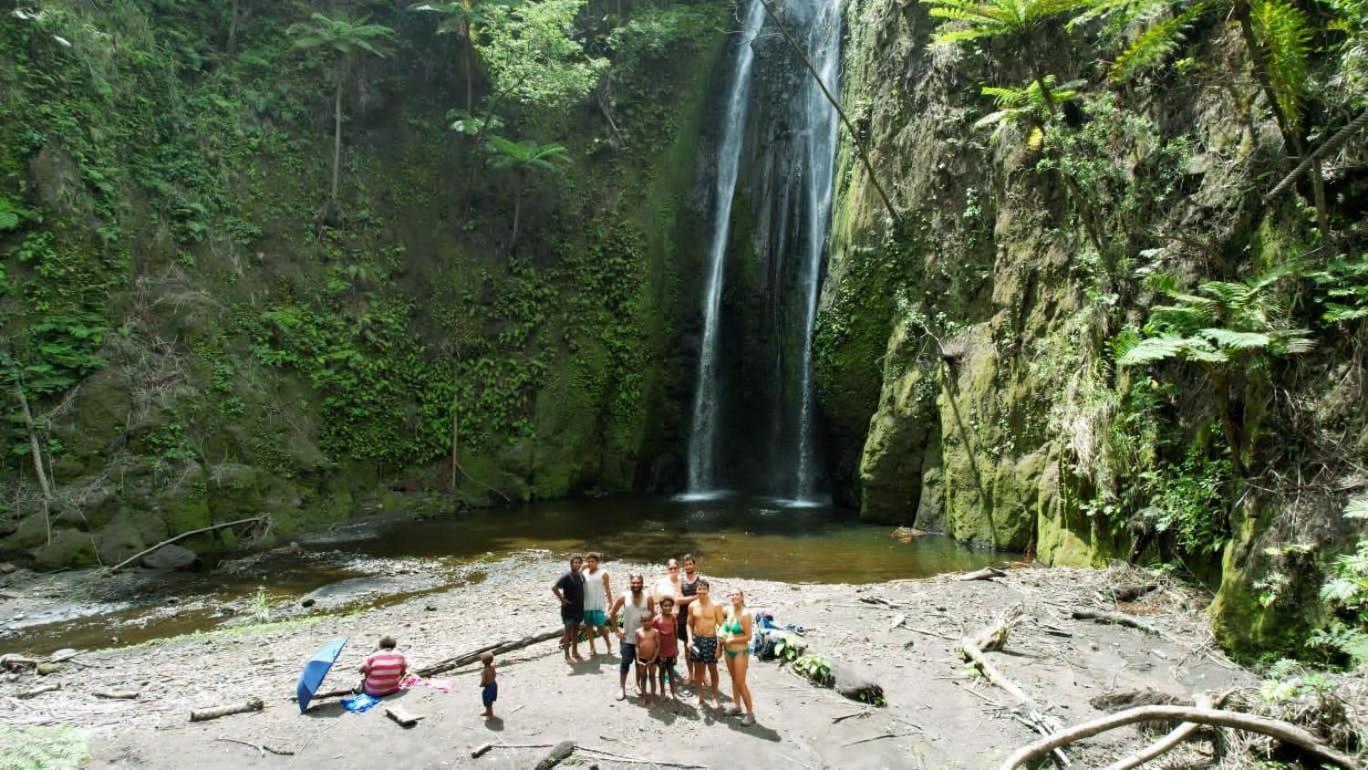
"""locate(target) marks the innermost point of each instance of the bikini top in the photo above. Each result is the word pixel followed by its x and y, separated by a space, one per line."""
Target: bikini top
pixel 732 626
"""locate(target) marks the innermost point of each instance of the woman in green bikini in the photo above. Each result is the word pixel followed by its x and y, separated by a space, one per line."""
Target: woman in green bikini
pixel 736 638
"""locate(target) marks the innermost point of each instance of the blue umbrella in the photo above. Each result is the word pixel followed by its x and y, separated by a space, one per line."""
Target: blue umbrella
pixel 317 668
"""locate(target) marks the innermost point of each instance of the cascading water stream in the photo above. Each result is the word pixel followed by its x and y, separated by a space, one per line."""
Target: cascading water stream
pixel 703 438
pixel 778 136
pixel 822 130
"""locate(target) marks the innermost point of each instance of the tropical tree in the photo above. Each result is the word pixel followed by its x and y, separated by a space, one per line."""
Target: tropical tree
pixel 523 158
pixel 463 19
pixel 345 38
pixel 1227 329
pixel 1019 20
pixel 536 59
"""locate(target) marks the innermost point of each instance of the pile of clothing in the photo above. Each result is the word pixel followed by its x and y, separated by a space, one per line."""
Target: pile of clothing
pixel 770 638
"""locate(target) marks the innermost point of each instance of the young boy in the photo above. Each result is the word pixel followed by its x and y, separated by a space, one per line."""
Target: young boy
pixel 489 689
pixel 384 670
pixel 647 655
pixel 669 646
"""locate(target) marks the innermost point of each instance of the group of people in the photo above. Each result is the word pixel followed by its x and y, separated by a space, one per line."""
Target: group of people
pixel 679 608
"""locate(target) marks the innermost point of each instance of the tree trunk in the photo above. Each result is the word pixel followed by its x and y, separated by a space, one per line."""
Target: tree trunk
pixel 337 131
pixel 231 47
pixel 517 212
pixel 1220 387
pixel 455 421
pixel 1329 146
pixel 470 69
pixel 36 450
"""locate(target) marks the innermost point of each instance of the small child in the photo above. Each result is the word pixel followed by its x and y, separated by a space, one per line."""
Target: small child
pixel 669 646
pixel 383 670
pixel 489 689
pixel 647 655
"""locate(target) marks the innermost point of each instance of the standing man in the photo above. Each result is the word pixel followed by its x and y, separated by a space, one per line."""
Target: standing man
pixel 633 603
pixel 598 594
pixel 704 619
pixel 688 589
pixel 569 590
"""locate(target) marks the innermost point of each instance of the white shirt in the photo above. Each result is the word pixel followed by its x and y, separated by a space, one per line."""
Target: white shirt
pixel 595 598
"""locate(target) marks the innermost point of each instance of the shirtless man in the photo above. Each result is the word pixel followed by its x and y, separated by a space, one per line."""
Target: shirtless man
pixel 632 603
pixel 647 655
pixel 704 618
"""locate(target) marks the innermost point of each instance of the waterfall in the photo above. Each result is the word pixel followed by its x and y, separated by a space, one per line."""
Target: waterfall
pixel 703 438
pixel 822 129
pixel 776 155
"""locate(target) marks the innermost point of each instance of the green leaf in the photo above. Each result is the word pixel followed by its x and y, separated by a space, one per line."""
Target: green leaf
pixel 1151 350
pixel 1357 508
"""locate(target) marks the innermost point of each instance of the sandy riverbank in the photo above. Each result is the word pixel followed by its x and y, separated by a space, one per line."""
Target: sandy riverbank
pixel 938 714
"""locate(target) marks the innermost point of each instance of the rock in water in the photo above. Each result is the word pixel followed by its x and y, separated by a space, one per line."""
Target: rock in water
pixel 170 557
pixel 856 685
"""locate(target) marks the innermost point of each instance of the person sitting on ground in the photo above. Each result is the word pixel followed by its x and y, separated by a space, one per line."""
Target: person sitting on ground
pixel 383 670
pixel 647 655
pixel 598 594
pixel 704 618
pixel 669 647
pixel 569 591
pixel 632 603
pixel 489 688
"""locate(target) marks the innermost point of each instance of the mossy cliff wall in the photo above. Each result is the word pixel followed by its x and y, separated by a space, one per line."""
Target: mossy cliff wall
pixel 963 351
pixel 222 346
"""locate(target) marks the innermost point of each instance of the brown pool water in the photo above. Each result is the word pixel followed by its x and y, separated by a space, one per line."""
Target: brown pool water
pixel 730 536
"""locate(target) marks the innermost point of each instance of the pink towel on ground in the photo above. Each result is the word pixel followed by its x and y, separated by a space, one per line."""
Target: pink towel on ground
pixel 440 685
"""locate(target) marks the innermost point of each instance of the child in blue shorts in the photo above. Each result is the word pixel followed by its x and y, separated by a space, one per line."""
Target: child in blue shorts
pixel 489 689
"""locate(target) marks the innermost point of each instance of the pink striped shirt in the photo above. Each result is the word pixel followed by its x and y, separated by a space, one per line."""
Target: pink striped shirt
pixel 383 671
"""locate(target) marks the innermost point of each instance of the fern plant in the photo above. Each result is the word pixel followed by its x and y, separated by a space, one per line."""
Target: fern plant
pixel 1344 283
pixel 1026 106
pixel 1228 329
pixel 1016 19
pixel 1345 595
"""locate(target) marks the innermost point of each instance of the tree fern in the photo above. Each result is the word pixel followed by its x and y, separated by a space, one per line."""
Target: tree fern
pixel 1284 33
pixel 991 18
pixel 1152 350
pixel 1027 104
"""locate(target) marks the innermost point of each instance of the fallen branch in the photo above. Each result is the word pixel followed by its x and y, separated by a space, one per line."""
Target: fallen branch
pixel 182 536
pixel 1035 716
pixel 637 760
pixel 876 738
pixel 1164 745
pixel 500 648
pixel 261 748
pixel 987 573
pixel 994 636
pixel 38 691
pixel 851 715
pixel 1118 618
pixel 116 694
pixel 562 751
pixel 1283 731
pixel 204 715
pixel 340 692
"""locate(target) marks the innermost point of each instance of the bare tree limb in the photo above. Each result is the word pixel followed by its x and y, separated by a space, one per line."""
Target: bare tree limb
pixel 1164 745
pixel 1286 732
pixel 182 536
pixel 1327 147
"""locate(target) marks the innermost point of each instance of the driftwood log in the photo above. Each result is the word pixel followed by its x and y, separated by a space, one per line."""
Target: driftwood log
pixel 204 715
pixel 404 717
pixel 1118 618
pixel 135 557
pixel 1286 732
pixel 38 691
pixel 465 659
pixel 987 573
pixel 116 694
pixel 558 754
